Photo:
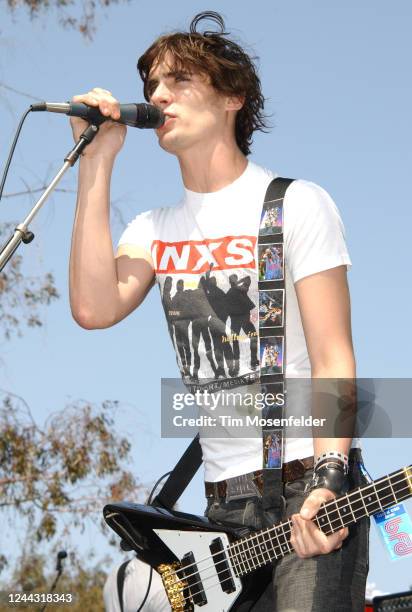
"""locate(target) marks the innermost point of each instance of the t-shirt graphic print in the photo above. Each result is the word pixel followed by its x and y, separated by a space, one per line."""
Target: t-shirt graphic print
pixel 209 295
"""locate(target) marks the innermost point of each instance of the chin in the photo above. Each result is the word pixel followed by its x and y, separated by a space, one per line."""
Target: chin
pixel 184 142
pixel 168 147
pixel 171 144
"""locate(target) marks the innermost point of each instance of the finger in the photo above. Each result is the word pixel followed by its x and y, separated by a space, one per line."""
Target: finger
pixel 308 540
pixel 314 501
pixel 103 98
pixel 296 539
pixel 330 542
pixel 100 90
pixel 313 539
pixel 343 533
pixel 335 541
pixel 87 98
pixel 311 506
pixel 114 108
pixel 303 542
pixel 109 106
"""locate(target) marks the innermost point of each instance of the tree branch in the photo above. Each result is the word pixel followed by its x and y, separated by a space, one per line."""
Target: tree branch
pixel 20 93
pixel 38 189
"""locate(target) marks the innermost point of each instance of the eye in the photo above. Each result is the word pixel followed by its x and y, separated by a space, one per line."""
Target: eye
pixel 150 88
pixel 182 77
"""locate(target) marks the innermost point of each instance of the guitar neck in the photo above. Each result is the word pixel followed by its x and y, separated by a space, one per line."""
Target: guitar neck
pixel 267 545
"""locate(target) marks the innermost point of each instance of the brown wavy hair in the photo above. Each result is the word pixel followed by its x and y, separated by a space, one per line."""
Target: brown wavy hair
pixel 230 69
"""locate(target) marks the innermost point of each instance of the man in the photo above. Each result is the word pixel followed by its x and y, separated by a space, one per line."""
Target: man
pixel 217 325
pixel 179 306
pixel 201 331
pixel 208 88
pixel 239 309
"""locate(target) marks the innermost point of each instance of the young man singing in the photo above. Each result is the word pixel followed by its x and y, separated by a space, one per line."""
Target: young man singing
pixel 202 253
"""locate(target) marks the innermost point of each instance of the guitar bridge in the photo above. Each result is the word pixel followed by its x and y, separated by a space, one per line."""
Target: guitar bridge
pixel 174 587
pixel 408 472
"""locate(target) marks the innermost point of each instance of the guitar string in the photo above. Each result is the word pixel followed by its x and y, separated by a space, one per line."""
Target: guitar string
pixel 323 507
pixel 275 527
pixel 278 546
pixel 218 573
pixel 189 587
pixel 333 519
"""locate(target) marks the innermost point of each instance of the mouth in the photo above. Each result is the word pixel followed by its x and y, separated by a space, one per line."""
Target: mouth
pixel 168 120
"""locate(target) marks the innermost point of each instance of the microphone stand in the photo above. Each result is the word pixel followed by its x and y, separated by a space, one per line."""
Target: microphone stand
pixel 22 232
pixel 62 554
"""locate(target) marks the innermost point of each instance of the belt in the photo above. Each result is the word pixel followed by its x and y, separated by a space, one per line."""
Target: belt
pixel 292 470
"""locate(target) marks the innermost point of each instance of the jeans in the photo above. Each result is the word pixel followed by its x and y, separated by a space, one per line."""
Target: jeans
pixel 334 582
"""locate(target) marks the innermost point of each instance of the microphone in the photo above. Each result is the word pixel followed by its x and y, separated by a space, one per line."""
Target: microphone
pixel 62 554
pixel 135 115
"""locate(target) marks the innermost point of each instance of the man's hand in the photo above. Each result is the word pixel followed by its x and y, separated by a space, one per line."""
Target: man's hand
pixel 307 539
pixel 111 136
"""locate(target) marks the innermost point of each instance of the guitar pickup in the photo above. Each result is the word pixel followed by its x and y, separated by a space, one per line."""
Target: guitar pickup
pixel 191 574
pixel 222 566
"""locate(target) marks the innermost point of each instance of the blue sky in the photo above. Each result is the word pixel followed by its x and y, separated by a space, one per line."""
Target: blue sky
pixel 337 81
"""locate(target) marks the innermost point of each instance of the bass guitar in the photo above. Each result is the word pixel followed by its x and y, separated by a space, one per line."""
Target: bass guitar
pixel 220 567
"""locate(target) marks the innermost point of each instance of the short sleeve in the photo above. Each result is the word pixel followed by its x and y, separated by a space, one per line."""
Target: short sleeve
pixel 139 232
pixel 314 231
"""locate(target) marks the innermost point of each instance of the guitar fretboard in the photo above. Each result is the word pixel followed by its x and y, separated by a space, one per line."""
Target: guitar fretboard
pixel 267 545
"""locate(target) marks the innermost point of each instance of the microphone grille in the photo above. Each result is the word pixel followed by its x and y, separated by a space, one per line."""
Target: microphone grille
pixel 149 116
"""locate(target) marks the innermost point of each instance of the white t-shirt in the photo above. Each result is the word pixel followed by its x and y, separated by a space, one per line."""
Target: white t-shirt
pixel 215 235
pixel 135 585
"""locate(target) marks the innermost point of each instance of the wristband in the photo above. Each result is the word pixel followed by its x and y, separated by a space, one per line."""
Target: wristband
pixel 329 476
pixel 335 463
pixel 332 455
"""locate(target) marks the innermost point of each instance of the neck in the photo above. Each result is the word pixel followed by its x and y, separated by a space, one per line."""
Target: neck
pixel 207 169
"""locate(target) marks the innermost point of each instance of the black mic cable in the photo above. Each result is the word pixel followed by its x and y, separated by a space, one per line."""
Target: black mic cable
pixel 125 546
pixel 149 501
pixel 13 146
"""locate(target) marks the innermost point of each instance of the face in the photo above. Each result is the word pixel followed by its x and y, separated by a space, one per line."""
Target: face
pixel 195 113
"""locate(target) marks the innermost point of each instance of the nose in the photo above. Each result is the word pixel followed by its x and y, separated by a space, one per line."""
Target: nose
pixel 161 96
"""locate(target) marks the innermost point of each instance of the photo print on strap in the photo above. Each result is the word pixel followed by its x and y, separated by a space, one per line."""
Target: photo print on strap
pixel 271 308
pixel 272 449
pixel 270 262
pixel 271 355
pixel 271 219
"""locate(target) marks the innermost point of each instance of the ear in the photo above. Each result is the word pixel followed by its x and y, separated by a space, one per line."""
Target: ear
pixel 234 103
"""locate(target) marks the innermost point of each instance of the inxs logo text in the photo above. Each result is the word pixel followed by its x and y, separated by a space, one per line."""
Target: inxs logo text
pixel 197 256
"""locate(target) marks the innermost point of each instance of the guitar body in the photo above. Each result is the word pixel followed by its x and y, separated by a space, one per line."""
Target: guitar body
pixel 163 538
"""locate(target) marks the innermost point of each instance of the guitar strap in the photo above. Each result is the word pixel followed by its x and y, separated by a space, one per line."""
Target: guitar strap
pixel 272 337
pixel 272 325
pixel 181 475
